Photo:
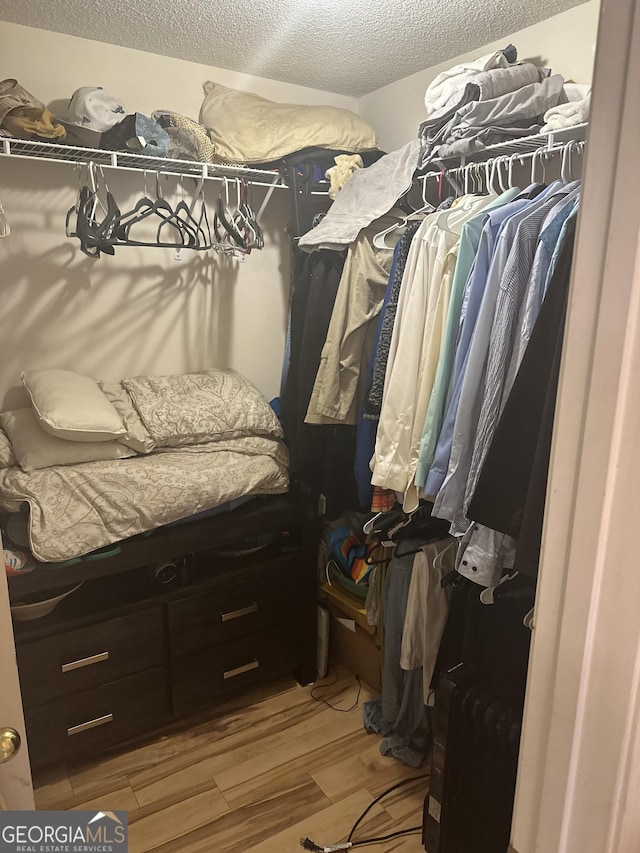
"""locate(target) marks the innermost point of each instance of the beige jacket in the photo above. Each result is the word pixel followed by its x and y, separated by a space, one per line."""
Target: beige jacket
pixel 338 389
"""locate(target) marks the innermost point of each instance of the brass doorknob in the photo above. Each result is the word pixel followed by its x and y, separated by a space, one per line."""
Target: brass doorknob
pixel 9 744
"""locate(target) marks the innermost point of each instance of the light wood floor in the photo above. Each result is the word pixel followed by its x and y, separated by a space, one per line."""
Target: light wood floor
pixel 269 769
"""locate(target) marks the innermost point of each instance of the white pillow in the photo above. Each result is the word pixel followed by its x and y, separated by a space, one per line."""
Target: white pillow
pixel 72 406
pixel 34 448
pixel 246 128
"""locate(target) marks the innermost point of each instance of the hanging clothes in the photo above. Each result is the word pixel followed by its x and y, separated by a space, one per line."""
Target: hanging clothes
pixel 449 501
pixel 321 457
pixel 469 242
pixel 311 307
pixel 522 440
pixel 415 345
pixel 338 389
pixel 471 302
pixel 367 423
pixel 373 402
pixel 513 287
pixel 399 714
pixel 484 552
pixel 427 611
pixel 552 237
pixel 483 657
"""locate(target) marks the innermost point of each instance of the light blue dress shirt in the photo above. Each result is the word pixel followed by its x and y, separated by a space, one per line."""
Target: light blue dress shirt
pixel 471 301
pixel 550 239
pixel 450 499
pixel 502 334
pixel 469 241
pixel 484 553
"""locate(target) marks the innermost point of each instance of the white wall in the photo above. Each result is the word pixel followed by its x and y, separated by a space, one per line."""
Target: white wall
pixel 564 43
pixel 139 311
pixel 51 65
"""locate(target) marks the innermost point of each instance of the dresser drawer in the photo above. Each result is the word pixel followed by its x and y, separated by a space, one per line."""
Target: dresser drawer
pixel 83 724
pixel 198 678
pixel 87 657
pixel 210 618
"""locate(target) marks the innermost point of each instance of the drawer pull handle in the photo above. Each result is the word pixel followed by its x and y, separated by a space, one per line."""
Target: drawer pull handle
pixel 231 673
pixel 90 724
pixel 78 664
pixel 236 614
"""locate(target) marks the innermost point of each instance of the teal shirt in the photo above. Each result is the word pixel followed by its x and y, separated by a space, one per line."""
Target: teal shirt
pixel 469 241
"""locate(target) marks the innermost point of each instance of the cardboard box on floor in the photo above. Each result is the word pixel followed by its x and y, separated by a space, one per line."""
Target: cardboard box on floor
pixel 352 641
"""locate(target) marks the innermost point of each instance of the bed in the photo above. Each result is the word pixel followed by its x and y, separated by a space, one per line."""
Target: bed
pixel 202 439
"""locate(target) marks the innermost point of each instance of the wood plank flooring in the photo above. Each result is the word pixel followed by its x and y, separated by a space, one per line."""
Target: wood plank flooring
pixel 268 769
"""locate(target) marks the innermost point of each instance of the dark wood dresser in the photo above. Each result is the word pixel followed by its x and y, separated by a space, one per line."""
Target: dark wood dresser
pixel 174 623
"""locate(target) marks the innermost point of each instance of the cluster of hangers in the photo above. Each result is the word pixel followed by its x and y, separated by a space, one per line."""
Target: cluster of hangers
pixel 497 173
pixel 393 528
pixel 379 240
pixel 491 594
pixel 97 221
pixel 494 175
pixel 390 529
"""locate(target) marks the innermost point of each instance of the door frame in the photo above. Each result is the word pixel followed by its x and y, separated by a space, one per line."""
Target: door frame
pixel 580 752
pixel 16 786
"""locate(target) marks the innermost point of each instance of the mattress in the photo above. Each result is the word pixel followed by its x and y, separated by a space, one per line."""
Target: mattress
pixel 76 509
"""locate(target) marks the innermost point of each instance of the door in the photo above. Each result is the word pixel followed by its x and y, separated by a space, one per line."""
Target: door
pixel 16 789
pixel 580 754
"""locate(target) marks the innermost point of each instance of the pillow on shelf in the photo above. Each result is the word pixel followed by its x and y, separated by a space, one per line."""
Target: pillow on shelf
pixel 137 435
pixel 7 456
pixel 246 128
pixel 72 406
pixel 34 448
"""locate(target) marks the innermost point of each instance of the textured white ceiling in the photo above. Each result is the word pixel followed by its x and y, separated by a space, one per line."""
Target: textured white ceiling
pixel 348 46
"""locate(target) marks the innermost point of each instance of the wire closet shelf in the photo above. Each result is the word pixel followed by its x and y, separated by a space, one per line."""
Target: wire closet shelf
pixel 525 147
pixel 55 153
pixel 522 149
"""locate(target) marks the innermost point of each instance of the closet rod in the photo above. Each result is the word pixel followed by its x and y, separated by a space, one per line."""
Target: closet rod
pixel 521 158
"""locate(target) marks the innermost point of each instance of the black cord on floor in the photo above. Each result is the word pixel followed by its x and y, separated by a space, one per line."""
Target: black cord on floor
pixel 308 844
pixel 414 830
pixel 377 800
pixel 331 684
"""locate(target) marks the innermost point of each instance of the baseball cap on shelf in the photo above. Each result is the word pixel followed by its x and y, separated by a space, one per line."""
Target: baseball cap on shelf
pixel 93 108
pixel 91 112
pixel 13 96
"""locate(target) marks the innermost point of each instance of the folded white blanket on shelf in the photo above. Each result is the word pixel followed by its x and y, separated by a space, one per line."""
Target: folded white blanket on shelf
pixel 567 115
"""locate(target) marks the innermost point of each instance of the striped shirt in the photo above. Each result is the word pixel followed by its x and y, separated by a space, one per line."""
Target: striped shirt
pixel 450 499
pixel 513 285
